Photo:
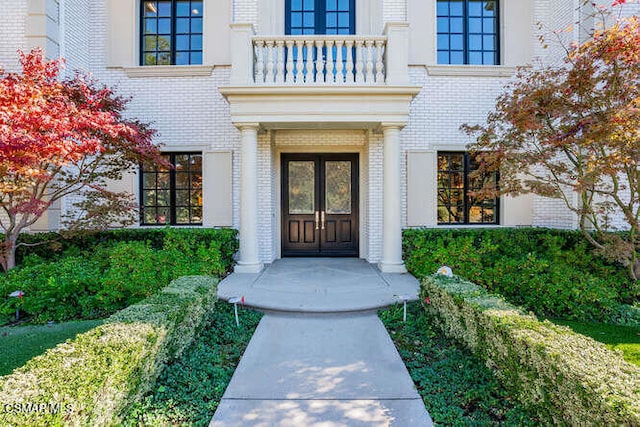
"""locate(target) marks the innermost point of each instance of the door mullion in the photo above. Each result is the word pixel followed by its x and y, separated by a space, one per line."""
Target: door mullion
pixel 320 197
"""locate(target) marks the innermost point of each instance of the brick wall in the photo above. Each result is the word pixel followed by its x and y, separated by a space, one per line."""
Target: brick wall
pixel 190 111
pixel 12 33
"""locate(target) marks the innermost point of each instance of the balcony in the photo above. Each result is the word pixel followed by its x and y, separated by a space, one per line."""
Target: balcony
pixel 320 80
pixel 309 60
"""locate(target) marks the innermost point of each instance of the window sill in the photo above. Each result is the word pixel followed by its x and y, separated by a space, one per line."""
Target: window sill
pixel 168 71
pixel 471 70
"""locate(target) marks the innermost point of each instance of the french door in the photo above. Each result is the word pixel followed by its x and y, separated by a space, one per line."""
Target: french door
pixel 319 205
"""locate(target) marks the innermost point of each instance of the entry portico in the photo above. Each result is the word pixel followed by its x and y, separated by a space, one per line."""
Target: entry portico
pixel 376 102
pixel 252 111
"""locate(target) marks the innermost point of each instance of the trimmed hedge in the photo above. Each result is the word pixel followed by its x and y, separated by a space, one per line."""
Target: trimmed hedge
pixel 554 273
pixel 93 379
pixel 51 245
pixel 565 377
pixel 94 278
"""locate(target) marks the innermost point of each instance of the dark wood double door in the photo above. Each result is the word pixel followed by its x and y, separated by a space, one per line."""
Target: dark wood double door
pixel 319 205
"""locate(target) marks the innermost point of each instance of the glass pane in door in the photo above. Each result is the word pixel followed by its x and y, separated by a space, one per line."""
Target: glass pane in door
pixel 338 187
pixel 301 187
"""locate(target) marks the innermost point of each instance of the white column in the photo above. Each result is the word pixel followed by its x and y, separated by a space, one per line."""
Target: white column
pixel 249 260
pixel 392 218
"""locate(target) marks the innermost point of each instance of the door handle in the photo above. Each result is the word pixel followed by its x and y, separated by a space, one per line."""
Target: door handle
pixel 317 220
pixel 323 220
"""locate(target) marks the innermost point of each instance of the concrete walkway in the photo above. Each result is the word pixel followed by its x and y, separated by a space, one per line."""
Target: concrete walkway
pixel 320 356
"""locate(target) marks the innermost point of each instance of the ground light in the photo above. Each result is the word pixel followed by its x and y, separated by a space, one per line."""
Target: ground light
pixel 235 301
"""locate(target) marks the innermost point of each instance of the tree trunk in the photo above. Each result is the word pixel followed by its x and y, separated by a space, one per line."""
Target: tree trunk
pixel 8 256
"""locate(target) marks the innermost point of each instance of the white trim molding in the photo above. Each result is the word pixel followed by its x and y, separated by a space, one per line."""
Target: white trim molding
pixel 167 71
pixel 471 70
pixel 281 107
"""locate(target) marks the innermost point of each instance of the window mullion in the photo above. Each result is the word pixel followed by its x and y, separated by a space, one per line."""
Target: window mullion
pixel 465 30
pixel 174 13
pixel 465 166
pixel 321 17
pixel 172 190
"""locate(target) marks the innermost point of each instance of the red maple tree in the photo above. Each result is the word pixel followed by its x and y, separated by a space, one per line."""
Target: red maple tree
pixel 61 137
pixel 572 132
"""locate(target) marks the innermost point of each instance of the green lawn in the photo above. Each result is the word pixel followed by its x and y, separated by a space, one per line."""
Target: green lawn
pixel 18 344
pixel 623 338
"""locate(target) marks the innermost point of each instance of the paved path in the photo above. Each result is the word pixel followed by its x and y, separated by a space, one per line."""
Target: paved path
pixel 320 357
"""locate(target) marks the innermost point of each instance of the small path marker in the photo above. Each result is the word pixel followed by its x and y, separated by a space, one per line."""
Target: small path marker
pixel 17 294
pixel 404 299
pixel 235 301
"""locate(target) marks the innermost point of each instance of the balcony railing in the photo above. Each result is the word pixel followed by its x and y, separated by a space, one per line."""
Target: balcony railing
pixel 310 60
pixel 330 59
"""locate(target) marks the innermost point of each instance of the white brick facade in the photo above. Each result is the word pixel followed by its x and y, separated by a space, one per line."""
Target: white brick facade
pixel 190 112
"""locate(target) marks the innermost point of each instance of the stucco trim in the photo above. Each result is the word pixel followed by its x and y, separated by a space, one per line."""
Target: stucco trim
pixel 471 70
pixel 167 71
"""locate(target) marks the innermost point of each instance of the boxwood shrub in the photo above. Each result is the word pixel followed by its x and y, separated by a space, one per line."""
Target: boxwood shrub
pixel 565 377
pixel 554 273
pixel 94 378
pixel 100 274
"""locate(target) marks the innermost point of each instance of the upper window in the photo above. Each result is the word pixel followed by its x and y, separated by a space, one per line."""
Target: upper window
pixel 468 32
pixel 171 32
pixel 457 203
pixel 172 195
pixel 320 17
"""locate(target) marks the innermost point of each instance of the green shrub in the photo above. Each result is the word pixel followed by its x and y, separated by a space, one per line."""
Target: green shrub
pixel 50 246
pixel 97 376
pixel 553 273
pixel 95 281
pixel 565 377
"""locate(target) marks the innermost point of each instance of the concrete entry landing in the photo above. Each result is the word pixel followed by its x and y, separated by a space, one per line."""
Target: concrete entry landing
pixel 319 285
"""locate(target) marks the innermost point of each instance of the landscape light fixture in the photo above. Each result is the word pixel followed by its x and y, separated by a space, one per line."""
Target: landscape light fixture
pixel 235 301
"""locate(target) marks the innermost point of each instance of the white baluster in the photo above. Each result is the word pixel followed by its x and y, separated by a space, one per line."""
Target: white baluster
pixel 309 65
pixel 259 61
pixel 270 61
pixel 300 62
pixel 359 62
pixel 379 62
pixel 319 62
pixel 349 69
pixel 289 53
pixel 369 44
pixel 280 62
pixel 330 63
pixel 339 64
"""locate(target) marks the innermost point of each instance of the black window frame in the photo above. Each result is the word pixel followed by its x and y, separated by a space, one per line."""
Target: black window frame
pixel 173 51
pixel 320 13
pixel 172 191
pixel 466 171
pixel 465 37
